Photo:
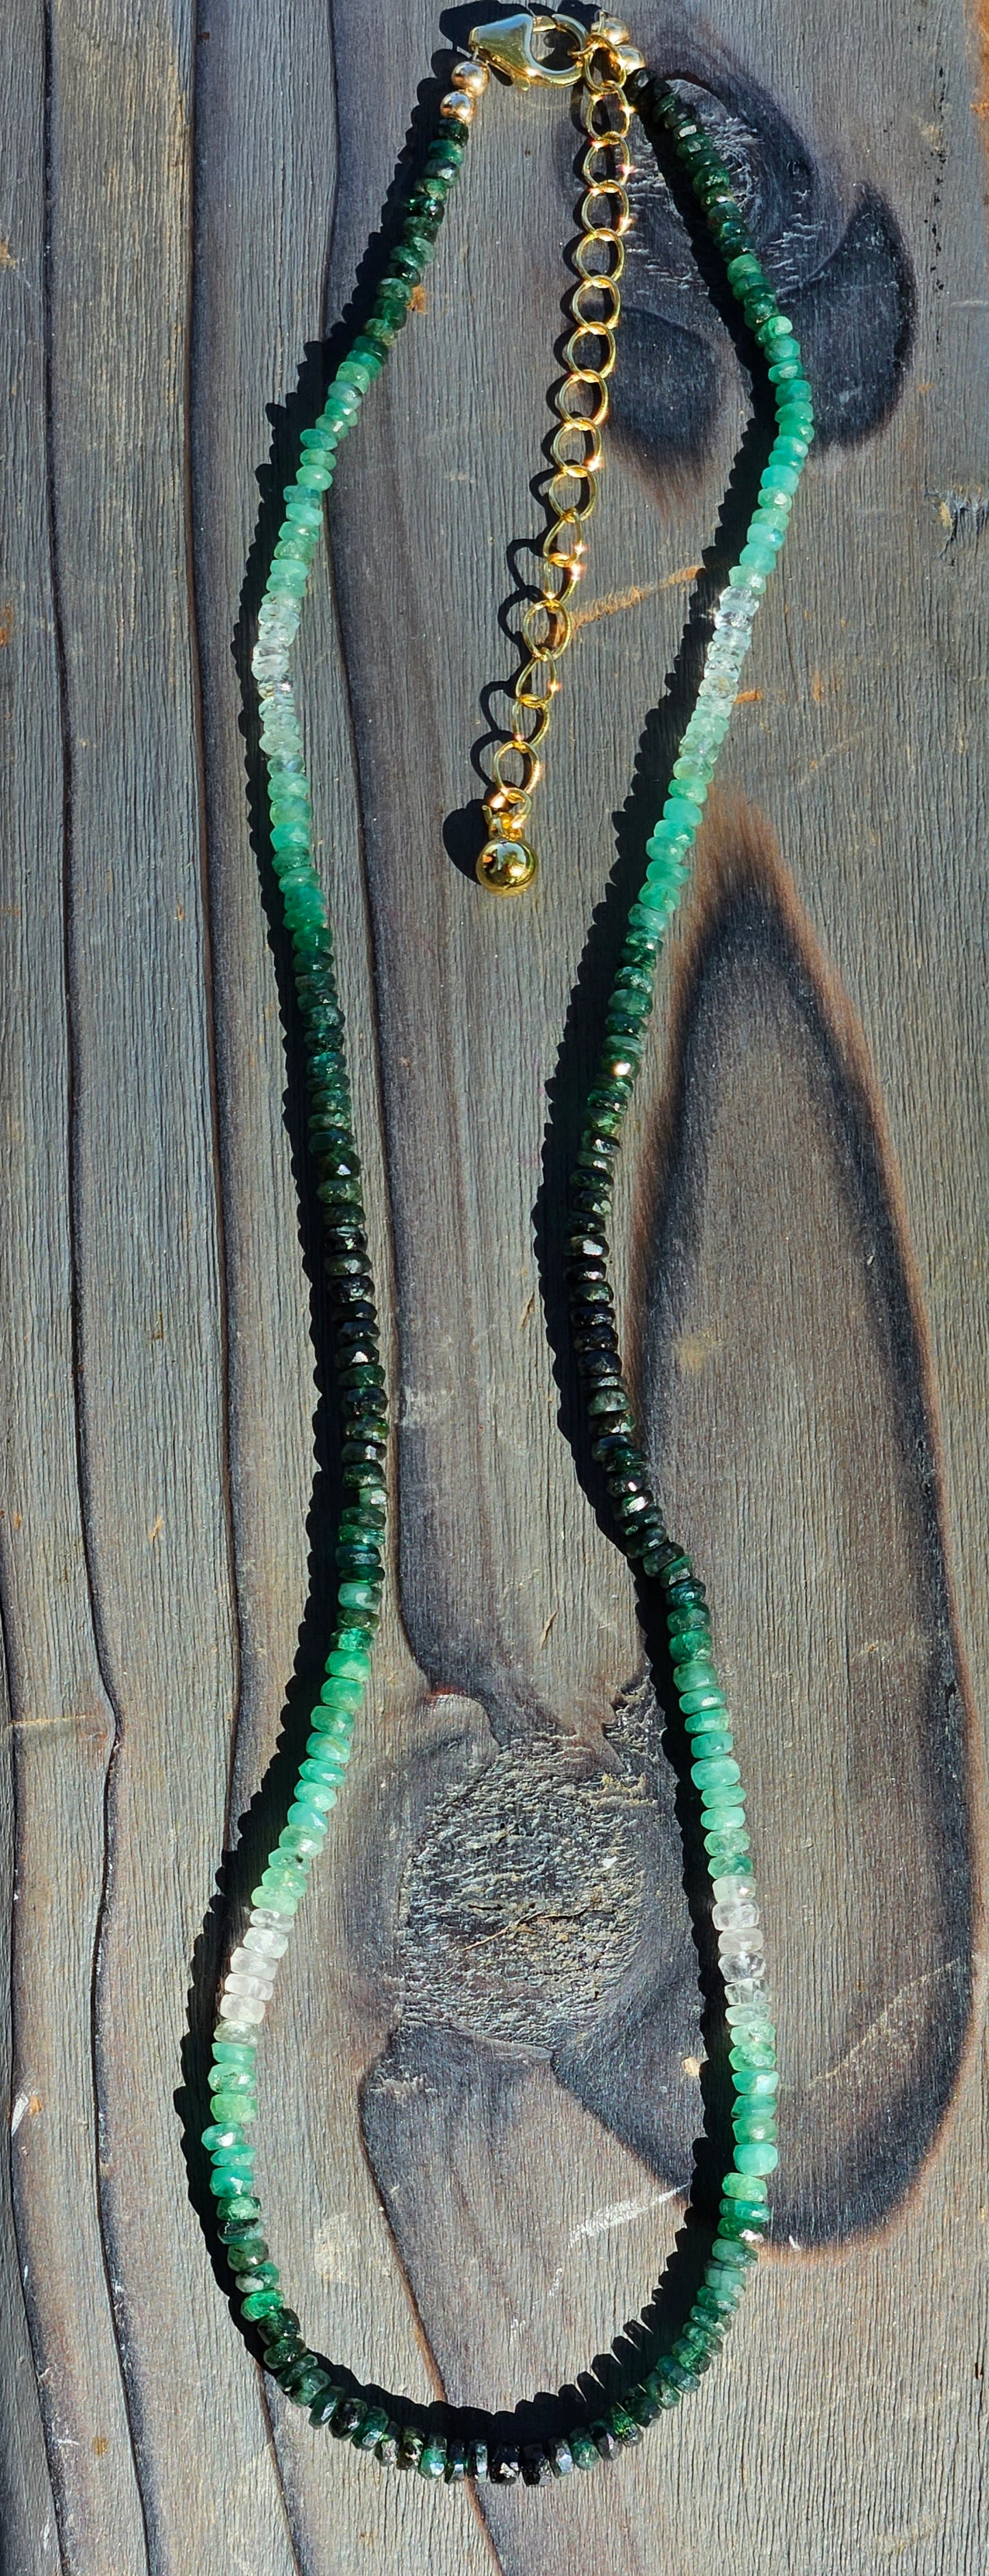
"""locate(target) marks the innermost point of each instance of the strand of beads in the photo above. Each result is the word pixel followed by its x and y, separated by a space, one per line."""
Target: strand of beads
pixel 247 1989
pixel 249 1982
pixel 743 2211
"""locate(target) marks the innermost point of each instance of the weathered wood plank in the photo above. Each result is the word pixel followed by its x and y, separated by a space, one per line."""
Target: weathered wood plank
pixel 57 1720
pixel 148 1352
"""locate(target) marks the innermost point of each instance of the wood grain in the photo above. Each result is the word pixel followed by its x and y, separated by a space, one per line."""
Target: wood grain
pixel 486 2083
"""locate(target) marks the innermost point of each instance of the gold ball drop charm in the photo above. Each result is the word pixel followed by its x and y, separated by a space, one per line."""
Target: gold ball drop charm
pixel 507 867
pixel 507 864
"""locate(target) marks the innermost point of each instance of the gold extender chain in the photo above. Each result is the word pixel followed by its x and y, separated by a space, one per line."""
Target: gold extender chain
pixel 508 863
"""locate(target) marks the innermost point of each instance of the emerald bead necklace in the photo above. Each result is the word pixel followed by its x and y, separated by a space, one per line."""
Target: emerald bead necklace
pixel 613 81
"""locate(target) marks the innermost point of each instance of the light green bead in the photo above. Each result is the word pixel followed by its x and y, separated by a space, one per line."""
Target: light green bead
pixel 759 2158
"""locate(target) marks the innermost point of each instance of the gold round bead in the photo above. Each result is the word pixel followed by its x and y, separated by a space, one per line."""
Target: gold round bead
pixel 610 31
pixel 506 867
pixel 629 60
pixel 472 77
pixel 459 106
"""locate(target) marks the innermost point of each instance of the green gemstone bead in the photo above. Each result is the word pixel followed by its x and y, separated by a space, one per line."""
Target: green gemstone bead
pixel 756 2083
pixel 688 1644
pixel 584 2451
pixel 349 1667
pixel 752 2052
pixel 375 2425
pixel 761 2158
pixel 234 2107
pixel 261 2303
pixel 226 2183
pixel 693 1701
pixel 752 2216
pixel 758 554
pixel 432 2458
pixel 696 1675
pixel 307 2386
pixel 746 2187
pixel 249 2257
pixel 731 2250
pixel 718 1815
pixel 754 2125
pixel 744 270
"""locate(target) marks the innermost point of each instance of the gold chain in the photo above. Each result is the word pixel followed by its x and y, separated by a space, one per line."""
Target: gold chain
pixel 508 863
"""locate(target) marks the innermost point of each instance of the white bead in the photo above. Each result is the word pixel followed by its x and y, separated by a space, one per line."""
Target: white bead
pixel 735 1912
pixel 748 1989
pixel 240 2008
pixel 267 1943
pixel 733 1883
pixel 267 1916
pixel 256 1989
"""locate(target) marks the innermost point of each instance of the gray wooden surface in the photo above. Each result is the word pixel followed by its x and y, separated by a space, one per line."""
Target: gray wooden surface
pixel 481 2081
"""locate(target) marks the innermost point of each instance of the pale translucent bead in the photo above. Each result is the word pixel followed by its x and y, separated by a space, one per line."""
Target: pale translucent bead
pixel 749 2021
pixel 735 1913
pixel 241 2008
pixel 267 1918
pixel 253 1989
pixel 744 1989
pixel 740 1963
pixel 744 1941
pixel 268 661
pixel 733 1883
pixel 267 1943
pixel 246 1963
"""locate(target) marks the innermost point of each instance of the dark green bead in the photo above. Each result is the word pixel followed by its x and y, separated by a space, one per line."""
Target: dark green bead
pixel 643 2403
pixel 256 2276
pixel 605 2441
pixel 505 2465
pixel 410 2448
pixel 246 2246
pixel 720 2303
pixel 349 2418
pixel 407 263
pixel 306 2387
pixel 585 2453
pixel 325 2405
pixel 432 2457
pixel 624 2426
pixel 375 2425
pixel 534 2464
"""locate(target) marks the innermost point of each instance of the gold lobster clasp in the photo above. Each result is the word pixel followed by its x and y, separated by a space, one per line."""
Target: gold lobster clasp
pixel 508 46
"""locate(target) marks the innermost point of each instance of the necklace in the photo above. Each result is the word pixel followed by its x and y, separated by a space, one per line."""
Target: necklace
pixel 612 80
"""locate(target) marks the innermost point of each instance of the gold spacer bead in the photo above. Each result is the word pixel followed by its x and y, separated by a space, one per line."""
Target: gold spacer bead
pixel 629 60
pixel 472 77
pixel 506 866
pixel 610 31
pixel 459 106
